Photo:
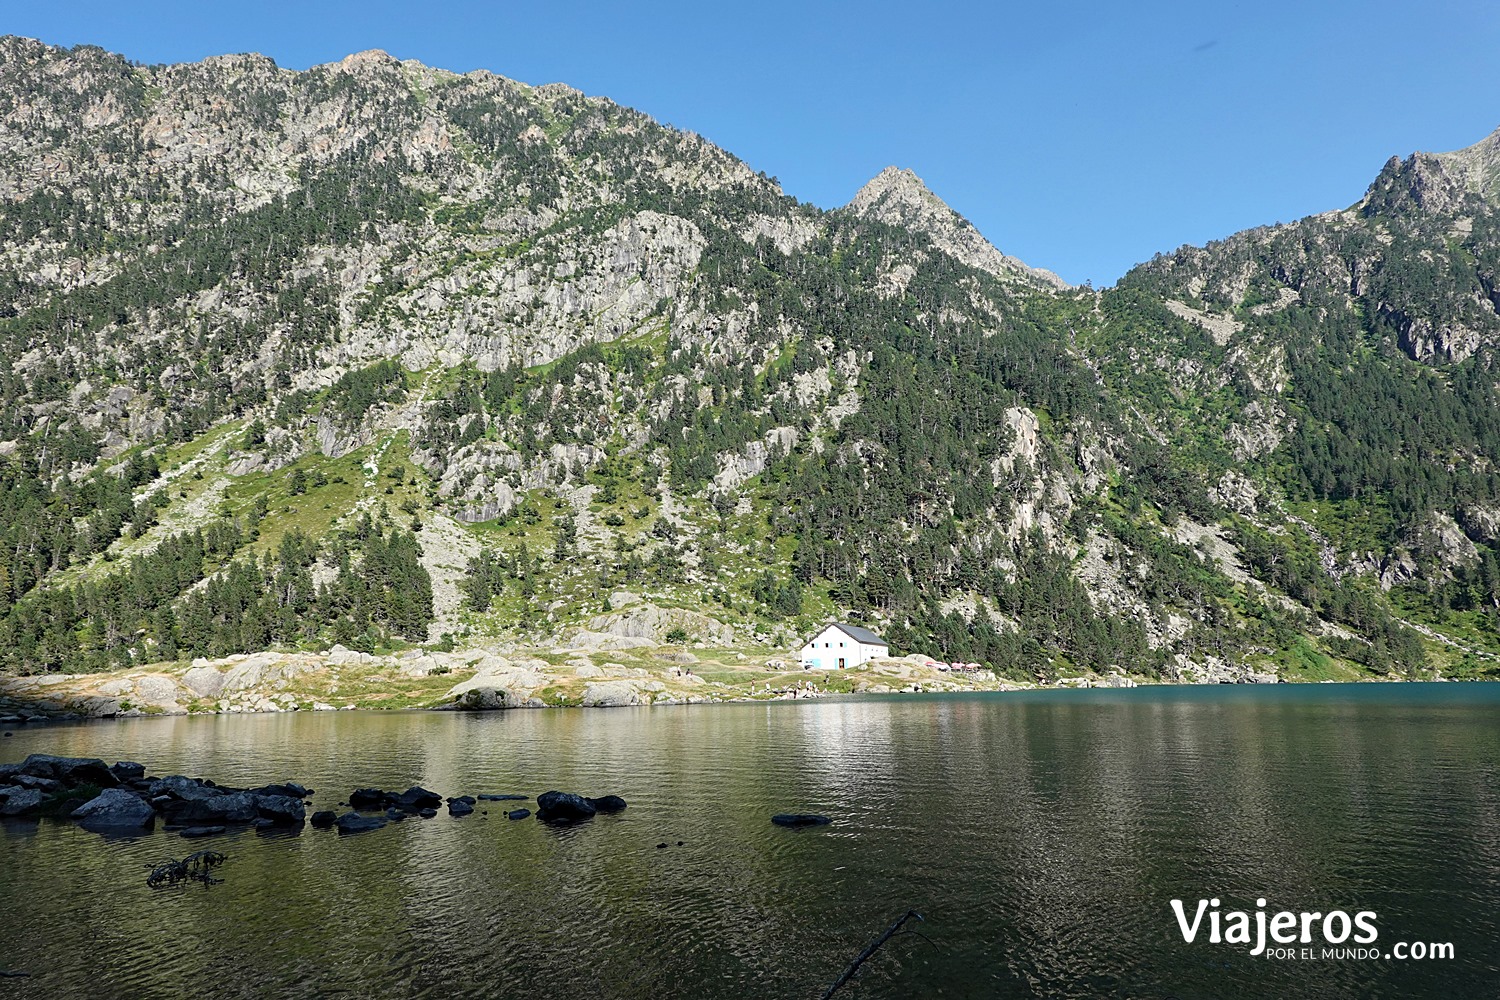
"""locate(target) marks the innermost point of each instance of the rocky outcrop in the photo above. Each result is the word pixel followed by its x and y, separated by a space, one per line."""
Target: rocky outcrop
pixel 497 683
pixel 651 623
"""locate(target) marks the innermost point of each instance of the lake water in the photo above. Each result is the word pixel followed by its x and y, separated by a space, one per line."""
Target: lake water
pixel 1042 836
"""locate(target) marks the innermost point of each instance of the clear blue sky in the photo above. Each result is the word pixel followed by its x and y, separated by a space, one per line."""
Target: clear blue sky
pixel 1078 136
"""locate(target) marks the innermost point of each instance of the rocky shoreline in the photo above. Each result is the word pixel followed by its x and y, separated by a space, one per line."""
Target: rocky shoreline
pixel 340 679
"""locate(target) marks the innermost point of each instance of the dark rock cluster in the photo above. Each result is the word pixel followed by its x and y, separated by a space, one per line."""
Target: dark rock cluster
pixel 563 808
pixel 122 798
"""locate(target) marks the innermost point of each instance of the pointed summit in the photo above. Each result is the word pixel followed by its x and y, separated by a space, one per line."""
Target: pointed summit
pixel 898 197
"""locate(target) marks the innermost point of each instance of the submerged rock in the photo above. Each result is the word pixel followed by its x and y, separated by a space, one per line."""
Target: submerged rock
pixel 607 804
pixel 194 832
pixel 800 819
pixel 324 819
pixel 518 814
pixel 504 798
pixel 352 822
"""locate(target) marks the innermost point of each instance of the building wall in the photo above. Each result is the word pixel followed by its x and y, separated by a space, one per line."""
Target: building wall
pixel 818 656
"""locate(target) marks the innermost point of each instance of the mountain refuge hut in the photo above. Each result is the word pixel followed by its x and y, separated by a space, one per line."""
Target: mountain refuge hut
pixel 840 646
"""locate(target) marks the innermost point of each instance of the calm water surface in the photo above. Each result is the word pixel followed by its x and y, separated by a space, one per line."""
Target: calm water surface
pixel 1042 835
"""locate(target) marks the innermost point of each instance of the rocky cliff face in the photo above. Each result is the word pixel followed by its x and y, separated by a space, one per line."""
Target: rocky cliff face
pixel 579 354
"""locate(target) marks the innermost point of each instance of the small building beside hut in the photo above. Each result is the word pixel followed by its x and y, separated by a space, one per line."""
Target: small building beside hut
pixel 840 647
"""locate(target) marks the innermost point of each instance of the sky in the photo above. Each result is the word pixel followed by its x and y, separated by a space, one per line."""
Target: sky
pixel 1082 137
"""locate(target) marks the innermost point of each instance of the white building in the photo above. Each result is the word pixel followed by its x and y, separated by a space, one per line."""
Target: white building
pixel 839 647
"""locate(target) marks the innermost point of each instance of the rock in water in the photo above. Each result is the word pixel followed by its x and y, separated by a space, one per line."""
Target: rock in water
pixel 115 808
pixel 324 819
pixel 563 807
pixel 458 807
pixel 800 819
pixel 518 814
pixel 194 832
pixel 235 807
pixel 607 804
pixel 128 770
pixel 415 799
pixel 352 822
pixel 70 770
pixel 368 799
pixel 281 809
pixel 19 801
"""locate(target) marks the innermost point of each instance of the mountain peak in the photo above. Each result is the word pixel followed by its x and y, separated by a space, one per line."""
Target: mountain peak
pixel 897 196
pixel 1450 183
pixel 895 187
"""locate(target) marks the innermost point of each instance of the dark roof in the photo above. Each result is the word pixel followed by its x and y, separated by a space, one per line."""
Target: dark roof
pixel 856 633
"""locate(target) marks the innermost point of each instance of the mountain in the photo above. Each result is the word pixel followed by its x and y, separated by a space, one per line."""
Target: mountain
pixel 381 355
pixel 899 198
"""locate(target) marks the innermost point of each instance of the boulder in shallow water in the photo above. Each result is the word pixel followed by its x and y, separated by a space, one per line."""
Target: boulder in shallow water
pixel 235 807
pixel 16 801
pixel 194 832
pixel 800 819
pixel 115 808
pixel 128 770
pixel 458 807
pixel 607 804
pixel 183 788
pixel 353 822
pixel 518 814
pixel 369 799
pixel 289 789
pixel 281 809
pixel 415 799
pixel 563 807
pixel 324 819
pixel 427 813
pixel 71 771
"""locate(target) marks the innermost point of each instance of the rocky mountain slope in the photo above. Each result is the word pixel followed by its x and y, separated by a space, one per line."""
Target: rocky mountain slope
pixel 381 355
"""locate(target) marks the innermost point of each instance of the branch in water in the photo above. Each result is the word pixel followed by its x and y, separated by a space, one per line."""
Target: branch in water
pixel 871 949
